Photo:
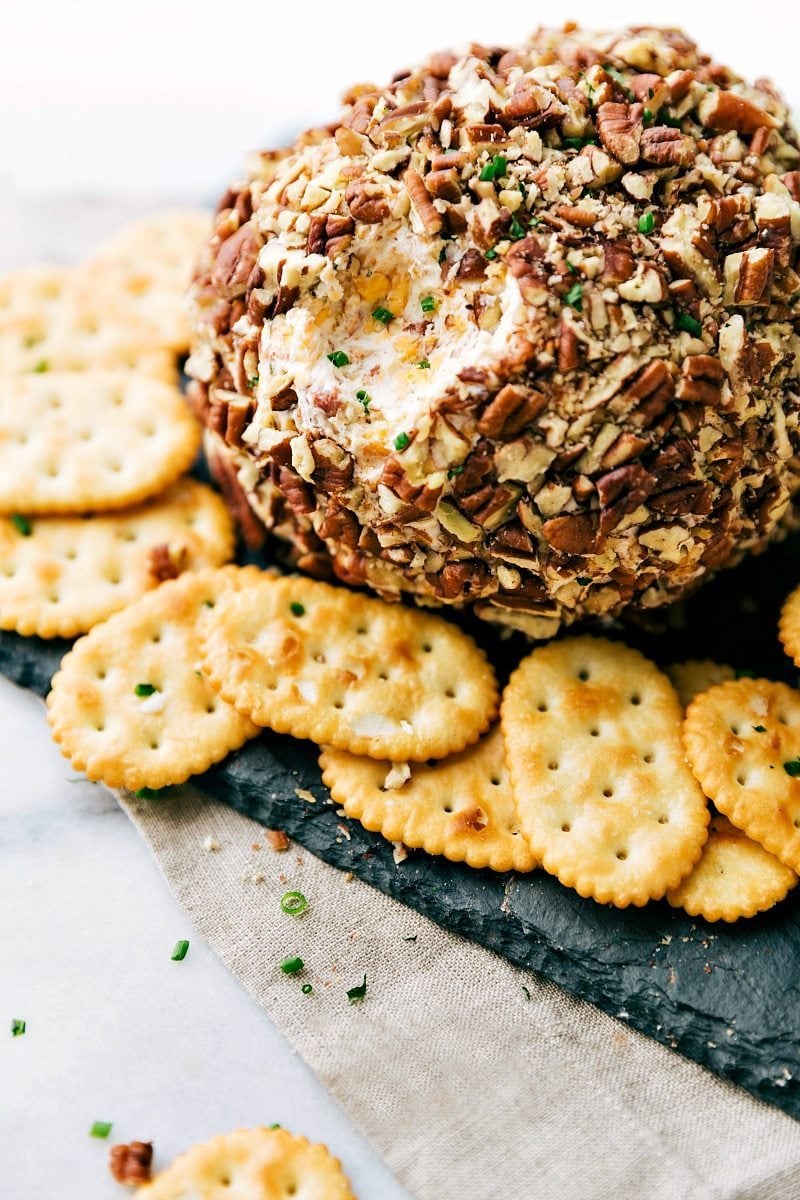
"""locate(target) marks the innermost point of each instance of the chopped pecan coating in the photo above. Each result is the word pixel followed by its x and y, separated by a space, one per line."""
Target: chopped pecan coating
pixel 620 128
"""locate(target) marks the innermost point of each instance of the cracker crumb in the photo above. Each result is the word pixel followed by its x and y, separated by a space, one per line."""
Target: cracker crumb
pixel 255 845
pixel 277 839
pixel 306 795
pixel 399 774
pixel 349 877
pixel 400 853
pixel 210 844
pixel 345 832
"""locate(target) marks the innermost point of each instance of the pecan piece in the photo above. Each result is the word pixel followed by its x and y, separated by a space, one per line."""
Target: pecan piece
pixel 532 105
pixel 224 473
pixel 235 260
pixel 667 147
pixel 510 411
pixel 627 446
pixel 277 839
pixel 525 261
pixel 340 525
pixel 618 263
pixel 748 277
pixel 462 579
pixel 568 347
pixel 575 534
pixel 130 1164
pixel 421 202
pixel 166 562
pixel 299 495
pixel 726 111
pixel 444 185
pixel 366 202
pixel 701 380
pixel 620 128
pixel 471 265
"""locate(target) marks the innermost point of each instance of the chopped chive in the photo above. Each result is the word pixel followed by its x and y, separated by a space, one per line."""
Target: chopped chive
pixel 515 230
pixel 180 951
pixel 276 1125
pixel 253 381
pixel 297 609
pixel 41 366
pixel 583 580
pixel 648 115
pixel 760 728
pixel 290 966
pixel 688 323
pixel 619 78
pixel 577 143
pixel 573 270
pixel 293 903
pixel 306 989
pixel 646 223
pixel 666 119
pixel 574 297
pixel 22 526
pixel 490 254
pixel 17 1027
pixel 354 994
pixel 338 358
pixel 145 689
pixel 401 441
pixel 442 255
pixel 146 793
pixel 383 315
pixel 494 169
pixel 792 768
pixel 101 1129
pixel 423 365
pixel 451 474
pixel 363 398
pixel 428 304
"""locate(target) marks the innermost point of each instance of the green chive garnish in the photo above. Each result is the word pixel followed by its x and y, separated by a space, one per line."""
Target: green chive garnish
pixel 495 168
pixel 354 994
pixel 180 951
pixel 689 324
pixel 22 526
pixel 293 903
pixel 490 254
pixel 17 1027
pixel 338 358
pixel 297 609
pixel 253 381
pixel 442 255
pixel 792 768
pixel 647 116
pixel 363 398
pixel 515 230
pixel 290 966
pixel 401 441
pixel 423 365
pixel 101 1129
pixel 147 793
pixel 42 366
pixel 306 989
pixel 383 315
pixel 646 223
pixel 145 689
pixel 428 304
pixel 451 474
pixel 574 297
pixel 618 78
pixel 276 1125
pixel 583 580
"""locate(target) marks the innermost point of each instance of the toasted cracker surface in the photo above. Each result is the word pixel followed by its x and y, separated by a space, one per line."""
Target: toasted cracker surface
pixel 349 671
pixel 461 807
pixel 79 442
pixel 697 675
pixel 251 1164
pixel 129 705
pixel 734 877
pixel 742 742
pixel 789 626
pixel 59 576
pixel 592 738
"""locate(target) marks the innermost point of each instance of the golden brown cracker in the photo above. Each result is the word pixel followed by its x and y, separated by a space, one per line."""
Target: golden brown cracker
pixel 59 576
pixel 592 737
pixel 460 807
pixel 251 1164
pixel 734 877
pixel 130 706
pixel 789 626
pixel 346 670
pixel 742 741
pixel 697 675
pixel 79 442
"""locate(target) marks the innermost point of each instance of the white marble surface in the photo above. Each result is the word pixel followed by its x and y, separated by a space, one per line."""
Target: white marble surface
pixel 116 1031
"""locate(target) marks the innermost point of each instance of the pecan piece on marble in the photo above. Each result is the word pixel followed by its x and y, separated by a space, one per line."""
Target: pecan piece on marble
pixel 130 1164
pixel 166 561
pixel 421 202
pixel 366 202
pixel 276 840
pixel 748 277
pixel 726 111
pixel 234 263
pixel 620 127
pixel 701 380
pixel 666 146
pixel 510 411
pixel 573 534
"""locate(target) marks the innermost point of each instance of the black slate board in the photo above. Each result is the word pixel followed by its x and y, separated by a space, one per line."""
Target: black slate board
pixel 725 996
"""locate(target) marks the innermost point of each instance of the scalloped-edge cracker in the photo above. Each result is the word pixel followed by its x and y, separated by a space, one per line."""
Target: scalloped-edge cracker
pixel 129 704
pixel 460 807
pixel 604 795
pixel 59 576
pixel 349 671
pixel 789 626
pixel 734 877
pixel 81 442
pixel 697 675
pixel 251 1164
pixel 742 741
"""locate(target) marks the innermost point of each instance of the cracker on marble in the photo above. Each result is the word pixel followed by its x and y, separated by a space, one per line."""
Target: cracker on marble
pixel 697 675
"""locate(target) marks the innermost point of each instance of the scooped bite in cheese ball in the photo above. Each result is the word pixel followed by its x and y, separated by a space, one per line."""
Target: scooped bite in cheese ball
pixel 519 333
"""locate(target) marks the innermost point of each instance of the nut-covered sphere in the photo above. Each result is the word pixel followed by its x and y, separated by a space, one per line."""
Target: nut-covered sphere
pixel 519 332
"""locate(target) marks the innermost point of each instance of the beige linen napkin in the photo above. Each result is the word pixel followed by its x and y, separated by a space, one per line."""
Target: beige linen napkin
pixel 467 1088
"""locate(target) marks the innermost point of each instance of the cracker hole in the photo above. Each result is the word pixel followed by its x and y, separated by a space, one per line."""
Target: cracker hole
pixel 566 827
pixel 338 704
pixel 552 766
pixel 211 708
pixel 156 638
pixel 154 745
pixel 583 675
pixel 782 719
pixel 272 687
pixel 741 780
pixel 594 733
pixel 450 694
pixel 608 792
pixel 71 554
pixel 85 435
pixel 495 781
pixel 542 707
pixel 362 629
pixel 636 699
pixel 622 855
pixel 382 675
pixel 99 728
pixel 22 439
pixel 663 819
pixel 648 758
pixel 735 730
pixel 320 658
pixel 796 822
pixel 426 646
pixel 448 808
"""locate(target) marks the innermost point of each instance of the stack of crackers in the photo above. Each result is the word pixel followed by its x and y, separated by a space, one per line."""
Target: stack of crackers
pixel 587 765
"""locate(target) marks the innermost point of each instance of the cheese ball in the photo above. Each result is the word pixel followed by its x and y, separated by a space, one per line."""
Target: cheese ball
pixel 518 333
